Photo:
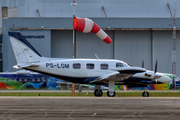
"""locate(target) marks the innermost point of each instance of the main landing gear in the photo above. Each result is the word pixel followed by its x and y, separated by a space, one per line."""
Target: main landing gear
pixel 98 92
pixel 110 93
pixel 145 94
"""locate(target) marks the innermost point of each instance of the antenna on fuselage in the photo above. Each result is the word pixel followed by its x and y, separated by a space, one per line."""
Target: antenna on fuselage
pixel 96 56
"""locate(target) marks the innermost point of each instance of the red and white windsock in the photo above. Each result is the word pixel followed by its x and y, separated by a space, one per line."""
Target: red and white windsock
pixel 87 25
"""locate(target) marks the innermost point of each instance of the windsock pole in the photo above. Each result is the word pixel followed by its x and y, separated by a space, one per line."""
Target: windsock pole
pixel 73 4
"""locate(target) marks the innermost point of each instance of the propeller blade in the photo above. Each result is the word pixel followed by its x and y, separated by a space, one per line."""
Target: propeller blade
pixel 155 76
pixel 155 67
pixel 143 64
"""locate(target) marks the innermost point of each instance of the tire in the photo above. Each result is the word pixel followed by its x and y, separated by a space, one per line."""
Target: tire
pixel 111 95
pixel 145 94
pixel 98 93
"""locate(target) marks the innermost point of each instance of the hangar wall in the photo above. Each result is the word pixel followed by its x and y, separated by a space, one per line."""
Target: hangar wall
pixel 133 47
pixel 93 8
pixel 87 45
pixel 61 43
pixel 130 45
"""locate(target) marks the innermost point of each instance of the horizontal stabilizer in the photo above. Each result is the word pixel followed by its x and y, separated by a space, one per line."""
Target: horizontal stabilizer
pixel 24 66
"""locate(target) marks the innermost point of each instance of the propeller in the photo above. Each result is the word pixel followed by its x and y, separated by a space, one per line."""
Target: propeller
pixel 155 75
pixel 143 64
pixel 155 67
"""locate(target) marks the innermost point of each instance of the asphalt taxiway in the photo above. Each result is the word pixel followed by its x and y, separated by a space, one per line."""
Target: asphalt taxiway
pixel 96 108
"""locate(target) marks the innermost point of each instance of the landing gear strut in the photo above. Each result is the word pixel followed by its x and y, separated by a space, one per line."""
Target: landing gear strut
pixel 111 92
pixel 98 92
pixel 145 94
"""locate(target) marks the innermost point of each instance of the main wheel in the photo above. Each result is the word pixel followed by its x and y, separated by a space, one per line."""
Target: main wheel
pixel 145 94
pixel 98 93
pixel 111 94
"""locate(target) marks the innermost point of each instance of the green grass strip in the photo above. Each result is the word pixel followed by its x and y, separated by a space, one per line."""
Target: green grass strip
pixel 91 94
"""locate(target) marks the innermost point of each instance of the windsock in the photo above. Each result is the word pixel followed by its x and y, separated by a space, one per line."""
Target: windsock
pixel 86 25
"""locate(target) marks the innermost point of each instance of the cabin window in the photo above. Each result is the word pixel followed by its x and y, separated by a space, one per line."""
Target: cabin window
pixel 76 65
pixel 104 66
pixel 90 66
pixel 118 65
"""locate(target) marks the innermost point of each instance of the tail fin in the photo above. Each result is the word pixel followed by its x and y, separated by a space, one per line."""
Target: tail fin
pixel 24 52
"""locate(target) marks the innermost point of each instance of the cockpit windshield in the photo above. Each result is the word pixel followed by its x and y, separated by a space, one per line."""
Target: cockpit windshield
pixel 118 65
pixel 121 64
pixel 126 65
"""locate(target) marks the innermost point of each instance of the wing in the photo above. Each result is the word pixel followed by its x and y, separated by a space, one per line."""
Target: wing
pixel 119 75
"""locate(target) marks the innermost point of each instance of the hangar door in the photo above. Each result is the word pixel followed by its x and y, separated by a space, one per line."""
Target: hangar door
pixel 61 44
pixel 133 47
pixel 89 44
pixel 163 50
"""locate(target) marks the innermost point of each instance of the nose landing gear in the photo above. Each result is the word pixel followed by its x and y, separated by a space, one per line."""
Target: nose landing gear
pixel 145 94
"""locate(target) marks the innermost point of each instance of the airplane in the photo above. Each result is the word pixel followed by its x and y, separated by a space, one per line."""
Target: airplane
pixel 84 71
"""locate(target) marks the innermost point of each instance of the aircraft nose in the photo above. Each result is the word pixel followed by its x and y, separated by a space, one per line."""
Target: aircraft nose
pixel 164 78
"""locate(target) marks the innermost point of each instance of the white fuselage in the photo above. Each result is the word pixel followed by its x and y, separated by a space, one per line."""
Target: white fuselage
pixel 65 67
pixel 69 69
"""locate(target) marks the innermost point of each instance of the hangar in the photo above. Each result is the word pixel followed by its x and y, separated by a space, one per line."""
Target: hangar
pixel 138 32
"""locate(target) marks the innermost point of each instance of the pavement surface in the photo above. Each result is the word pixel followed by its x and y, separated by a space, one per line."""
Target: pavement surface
pixel 89 108
pixel 86 91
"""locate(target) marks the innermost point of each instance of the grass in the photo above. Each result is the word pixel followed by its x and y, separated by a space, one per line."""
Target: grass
pixel 91 94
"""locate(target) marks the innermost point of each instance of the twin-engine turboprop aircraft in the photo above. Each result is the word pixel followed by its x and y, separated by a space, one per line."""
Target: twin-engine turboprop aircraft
pixel 83 71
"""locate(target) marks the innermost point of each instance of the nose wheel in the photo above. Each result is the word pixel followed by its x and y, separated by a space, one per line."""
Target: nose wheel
pixel 145 94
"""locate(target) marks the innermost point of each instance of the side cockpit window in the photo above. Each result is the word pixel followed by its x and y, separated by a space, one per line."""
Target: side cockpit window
pixel 76 65
pixel 118 65
pixel 104 66
pixel 90 66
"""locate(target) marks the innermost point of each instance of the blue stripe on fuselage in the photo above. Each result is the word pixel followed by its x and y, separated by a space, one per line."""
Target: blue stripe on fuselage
pixel 90 79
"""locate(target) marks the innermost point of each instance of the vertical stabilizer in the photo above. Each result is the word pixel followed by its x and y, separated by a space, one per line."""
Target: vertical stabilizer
pixel 24 52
